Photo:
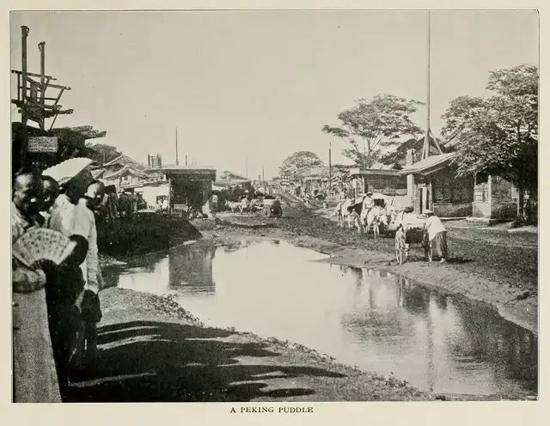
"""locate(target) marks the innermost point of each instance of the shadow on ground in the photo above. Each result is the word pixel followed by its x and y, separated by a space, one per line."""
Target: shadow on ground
pixel 155 361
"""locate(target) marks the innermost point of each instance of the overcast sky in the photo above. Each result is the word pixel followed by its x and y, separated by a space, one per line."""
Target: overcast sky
pixel 261 83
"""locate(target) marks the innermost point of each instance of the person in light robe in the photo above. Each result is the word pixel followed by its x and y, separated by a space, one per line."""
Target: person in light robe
pixel 437 237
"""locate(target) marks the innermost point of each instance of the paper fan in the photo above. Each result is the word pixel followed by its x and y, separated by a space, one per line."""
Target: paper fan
pixel 42 244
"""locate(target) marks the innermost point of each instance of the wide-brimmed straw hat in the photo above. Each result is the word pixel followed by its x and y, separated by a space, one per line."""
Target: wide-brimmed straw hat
pixel 68 169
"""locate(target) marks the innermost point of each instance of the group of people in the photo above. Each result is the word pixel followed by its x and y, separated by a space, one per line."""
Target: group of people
pixel 56 308
pixel 124 205
pixel 432 229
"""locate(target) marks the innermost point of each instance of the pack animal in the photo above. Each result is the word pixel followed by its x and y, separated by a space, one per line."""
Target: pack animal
pixel 348 213
pixel 374 218
pixel 244 205
pixel 233 206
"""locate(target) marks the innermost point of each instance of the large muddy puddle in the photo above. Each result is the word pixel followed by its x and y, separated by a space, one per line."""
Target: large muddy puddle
pixel 374 320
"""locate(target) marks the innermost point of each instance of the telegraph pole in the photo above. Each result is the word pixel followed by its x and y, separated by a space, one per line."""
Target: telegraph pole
pixel 426 148
pixel 329 167
pixel 177 160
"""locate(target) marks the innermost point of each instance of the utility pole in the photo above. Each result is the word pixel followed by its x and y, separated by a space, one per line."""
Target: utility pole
pixel 426 148
pixel 246 166
pixel 177 160
pixel 329 167
pixel 263 174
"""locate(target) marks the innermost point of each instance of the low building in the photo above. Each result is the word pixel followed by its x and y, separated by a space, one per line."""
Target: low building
pixel 380 179
pixel 154 193
pixel 125 179
pixel 123 172
pixel 432 183
pixel 230 180
pixel 187 187
pixel 314 180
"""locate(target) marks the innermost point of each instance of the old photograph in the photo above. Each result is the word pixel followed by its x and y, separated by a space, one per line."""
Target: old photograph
pixel 274 205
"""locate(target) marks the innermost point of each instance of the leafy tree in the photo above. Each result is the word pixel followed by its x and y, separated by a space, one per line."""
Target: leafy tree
pixel 298 162
pixel 335 131
pixel 498 134
pixel 371 126
pixel 102 153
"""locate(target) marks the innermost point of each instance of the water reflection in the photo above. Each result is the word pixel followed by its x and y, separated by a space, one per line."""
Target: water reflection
pixel 378 321
pixel 192 268
pixel 439 341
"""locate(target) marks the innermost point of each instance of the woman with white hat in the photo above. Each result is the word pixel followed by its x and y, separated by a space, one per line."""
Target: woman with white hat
pixel 437 236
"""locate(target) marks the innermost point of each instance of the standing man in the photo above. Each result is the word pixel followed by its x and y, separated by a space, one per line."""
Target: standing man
pixel 63 309
pixel 437 236
pixel 34 373
pixel 89 301
pixel 368 204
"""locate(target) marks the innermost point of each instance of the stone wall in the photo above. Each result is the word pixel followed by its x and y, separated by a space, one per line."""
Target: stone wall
pixel 481 209
pixel 453 209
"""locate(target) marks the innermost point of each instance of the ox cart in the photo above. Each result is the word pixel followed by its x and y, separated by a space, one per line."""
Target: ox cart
pixel 272 208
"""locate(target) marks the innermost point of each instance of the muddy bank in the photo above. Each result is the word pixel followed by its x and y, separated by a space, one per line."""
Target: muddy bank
pixel 516 303
pixel 153 350
pixel 141 234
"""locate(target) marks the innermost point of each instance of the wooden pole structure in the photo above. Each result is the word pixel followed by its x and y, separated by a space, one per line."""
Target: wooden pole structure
pixel 329 167
pixel 426 148
pixel 177 160
pixel 42 48
pixel 24 142
pixel 24 34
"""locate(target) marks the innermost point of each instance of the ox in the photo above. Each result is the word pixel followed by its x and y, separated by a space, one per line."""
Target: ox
pixel 373 218
pixel 349 212
pixel 233 206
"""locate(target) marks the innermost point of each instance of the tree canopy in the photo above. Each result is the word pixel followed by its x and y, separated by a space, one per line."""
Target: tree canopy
pixel 373 125
pixel 498 134
pixel 298 161
pixel 102 153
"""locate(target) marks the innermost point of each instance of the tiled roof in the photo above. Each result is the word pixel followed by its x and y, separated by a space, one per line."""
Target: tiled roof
pixel 127 168
pixel 124 160
pixel 433 161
